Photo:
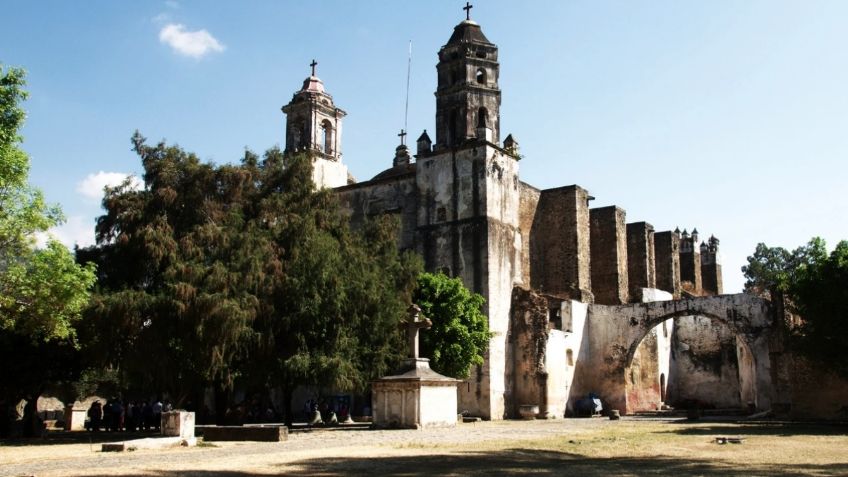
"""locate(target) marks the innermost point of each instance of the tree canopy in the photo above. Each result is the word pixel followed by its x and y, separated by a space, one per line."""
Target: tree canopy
pixel 42 289
pixel 213 274
pixel 815 285
pixel 460 334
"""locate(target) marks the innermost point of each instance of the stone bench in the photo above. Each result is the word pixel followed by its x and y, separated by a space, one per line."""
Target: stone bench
pixel 244 433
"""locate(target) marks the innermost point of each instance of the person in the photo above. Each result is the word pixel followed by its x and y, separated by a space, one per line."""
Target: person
pixel 95 416
pixel 157 414
pixel 146 416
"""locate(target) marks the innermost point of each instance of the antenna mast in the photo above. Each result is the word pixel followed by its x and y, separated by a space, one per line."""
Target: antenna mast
pixel 406 106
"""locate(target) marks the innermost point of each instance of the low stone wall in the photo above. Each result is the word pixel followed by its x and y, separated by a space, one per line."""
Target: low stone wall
pixel 244 433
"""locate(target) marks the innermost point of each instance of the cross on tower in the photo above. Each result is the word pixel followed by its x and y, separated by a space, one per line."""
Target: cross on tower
pixel 313 65
pixel 468 6
pixel 412 325
pixel 402 137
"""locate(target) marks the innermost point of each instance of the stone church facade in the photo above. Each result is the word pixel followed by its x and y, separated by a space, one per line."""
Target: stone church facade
pixel 579 301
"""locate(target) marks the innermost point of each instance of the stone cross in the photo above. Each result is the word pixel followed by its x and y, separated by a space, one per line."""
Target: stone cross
pixel 313 65
pixel 468 6
pixel 402 136
pixel 412 325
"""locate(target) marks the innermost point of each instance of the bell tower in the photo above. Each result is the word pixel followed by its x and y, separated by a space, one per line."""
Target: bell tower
pixel 314 126
pixel 468 98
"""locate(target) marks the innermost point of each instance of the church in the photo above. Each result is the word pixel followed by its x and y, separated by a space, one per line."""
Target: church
pixel 579 301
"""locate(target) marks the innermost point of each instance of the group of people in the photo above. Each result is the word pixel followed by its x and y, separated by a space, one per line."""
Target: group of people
pixel 131 416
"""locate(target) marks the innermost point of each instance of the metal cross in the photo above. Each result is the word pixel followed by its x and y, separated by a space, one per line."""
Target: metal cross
pixel 402 137
pixel 468 6
pixel 313 65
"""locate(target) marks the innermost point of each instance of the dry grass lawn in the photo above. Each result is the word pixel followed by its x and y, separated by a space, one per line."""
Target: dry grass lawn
pixel 581 447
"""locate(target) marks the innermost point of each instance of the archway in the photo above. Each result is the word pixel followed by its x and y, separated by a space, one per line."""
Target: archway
pixel 621 329
pixel 703 361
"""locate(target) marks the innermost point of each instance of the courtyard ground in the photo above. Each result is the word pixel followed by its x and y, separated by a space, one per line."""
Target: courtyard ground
pixel 580 447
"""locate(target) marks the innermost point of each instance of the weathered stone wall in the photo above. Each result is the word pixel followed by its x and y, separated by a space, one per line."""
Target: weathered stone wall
pixel 690 265
pixel 817 393
pixel 608 247
pixel 711 280
pixel 468 227
pixel 527 206
pixel 615 333
pixel 528 342
pixel 704 365
pixel 643 376
pixel 397 196
pixel 667 248
pixel 641 269
pixel 559 244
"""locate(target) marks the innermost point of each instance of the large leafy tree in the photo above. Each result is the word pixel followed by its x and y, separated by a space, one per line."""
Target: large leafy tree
pixel 42 289
pixel 333 318
pixel 815 285
pixel 214 274
pixel 460 332
pixel 180 274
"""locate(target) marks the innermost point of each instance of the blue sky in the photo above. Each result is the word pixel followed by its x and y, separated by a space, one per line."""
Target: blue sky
pixel 731 117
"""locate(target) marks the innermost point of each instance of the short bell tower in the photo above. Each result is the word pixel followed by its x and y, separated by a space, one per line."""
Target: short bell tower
pixel 314 126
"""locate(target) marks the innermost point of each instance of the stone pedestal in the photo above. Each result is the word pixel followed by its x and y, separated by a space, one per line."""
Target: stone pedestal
pixel 74 418
pixel 417 399
pixel 178 424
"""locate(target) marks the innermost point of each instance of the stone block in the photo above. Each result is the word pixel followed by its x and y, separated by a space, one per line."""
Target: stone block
pixel 245 433
pixel 74 418
pixel 178 424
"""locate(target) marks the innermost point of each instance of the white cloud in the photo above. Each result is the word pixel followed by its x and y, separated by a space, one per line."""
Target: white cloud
pixel 76 231
pixel 195 44
pixel 92 186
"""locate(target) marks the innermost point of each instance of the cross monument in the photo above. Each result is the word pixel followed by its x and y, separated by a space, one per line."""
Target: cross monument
pixel 412 325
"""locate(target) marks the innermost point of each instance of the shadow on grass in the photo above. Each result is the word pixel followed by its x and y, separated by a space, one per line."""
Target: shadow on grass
pixel 777 428
pixel 519 462
pixel 62 437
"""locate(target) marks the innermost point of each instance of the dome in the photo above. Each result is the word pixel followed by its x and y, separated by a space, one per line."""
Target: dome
pixel 313 84
pixel 466 32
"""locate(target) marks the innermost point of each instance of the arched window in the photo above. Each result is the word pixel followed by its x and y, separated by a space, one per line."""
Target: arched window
pixel 482 118
pixel 481 76
pixel 326 137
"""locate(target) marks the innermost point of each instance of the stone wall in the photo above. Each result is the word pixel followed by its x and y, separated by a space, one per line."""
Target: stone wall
pixel 396 196
pixel 667 252
pixel 711 280
pixel 559 244
pixel 641 269
pixel 527 206
pixel 690 265
pixel 704 365
pixel 608 246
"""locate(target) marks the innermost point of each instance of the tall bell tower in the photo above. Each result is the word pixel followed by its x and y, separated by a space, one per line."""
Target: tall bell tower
pixel 468 98
pixel 468 200
pixel 314 126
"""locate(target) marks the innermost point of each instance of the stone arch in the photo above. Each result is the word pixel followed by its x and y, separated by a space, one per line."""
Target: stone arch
pixel 620 330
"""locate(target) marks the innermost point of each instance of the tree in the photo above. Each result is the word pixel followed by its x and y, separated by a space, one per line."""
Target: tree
pixel 216 274
pixel 179 271
pixel 42 290
pixel 815 285
pixel 460 332
pixel 333 320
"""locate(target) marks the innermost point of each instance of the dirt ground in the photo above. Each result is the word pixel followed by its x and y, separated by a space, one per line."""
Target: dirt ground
pixel 585 447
